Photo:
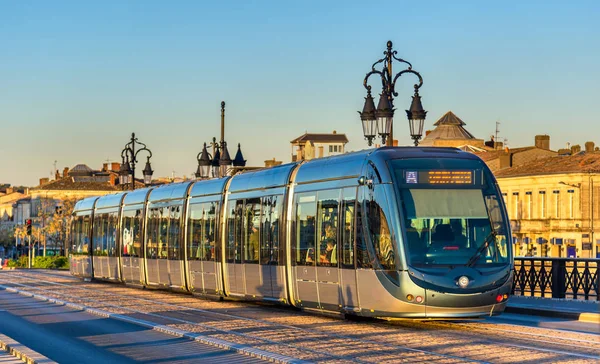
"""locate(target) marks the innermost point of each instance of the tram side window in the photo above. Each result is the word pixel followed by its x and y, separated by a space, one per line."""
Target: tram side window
pixel 163 233
pixel 327 213
pixel 251 230
pixel 234 231
pixel 379 230
pixel 348 216
pixel 195 234
pixel 269 249
pixel 174 249
pixel 85 235
pixel 98 234
pixel 111 234
pixel 152 233
pixel 210 230
pixel 363 259
pixel 306 212
pixel 76 234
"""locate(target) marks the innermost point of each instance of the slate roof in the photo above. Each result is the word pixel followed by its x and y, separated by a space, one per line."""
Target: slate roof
pixel 448 127
pixel 321 138
pixel 81 170
pixel 494 154
pixel 69 184
pixel 579 163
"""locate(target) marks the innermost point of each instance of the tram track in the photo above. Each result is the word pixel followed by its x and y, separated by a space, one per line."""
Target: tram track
pixel 312 334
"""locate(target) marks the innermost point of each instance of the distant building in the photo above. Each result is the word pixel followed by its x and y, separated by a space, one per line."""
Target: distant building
pixel 310 146
pixel 450 132
pixel 507 158
pixel 554 204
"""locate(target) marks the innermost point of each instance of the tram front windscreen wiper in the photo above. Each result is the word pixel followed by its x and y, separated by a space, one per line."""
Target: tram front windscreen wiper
pixel 482 248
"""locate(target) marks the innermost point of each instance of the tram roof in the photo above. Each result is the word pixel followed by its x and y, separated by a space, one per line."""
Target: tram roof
pixel 208 187
pixel 169 192
pixel 137 196
pixel 85 204
pixel 112 200
pixel 264 178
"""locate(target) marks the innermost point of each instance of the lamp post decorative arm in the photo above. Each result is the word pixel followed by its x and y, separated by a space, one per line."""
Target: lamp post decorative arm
pixel 385 110
pixel 129 152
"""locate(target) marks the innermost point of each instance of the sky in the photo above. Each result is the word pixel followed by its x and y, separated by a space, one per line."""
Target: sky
pixel 78 77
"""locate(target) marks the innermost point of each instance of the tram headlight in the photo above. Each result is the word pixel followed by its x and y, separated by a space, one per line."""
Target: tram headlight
pixel 463 282
pixel 419 299
pixel 410 297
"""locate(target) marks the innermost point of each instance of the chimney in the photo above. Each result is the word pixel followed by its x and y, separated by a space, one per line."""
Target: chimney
pixel 334 132
pixel 111 179
pixel 589 147
pixel 115 166
pixel 575 149
pixel 104 167
pixel 542 141
pixel 505 160
pixel 272 163
pixel 395 143
pixel 66 172
pixel 56 175
pixel 564 151
pixel 43 181
pixel 9 190
pixel 26 191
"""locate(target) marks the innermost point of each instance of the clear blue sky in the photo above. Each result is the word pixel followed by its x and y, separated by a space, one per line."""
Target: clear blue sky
pixel 77 77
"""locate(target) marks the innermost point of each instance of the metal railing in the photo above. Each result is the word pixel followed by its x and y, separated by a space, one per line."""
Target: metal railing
pixel 557 278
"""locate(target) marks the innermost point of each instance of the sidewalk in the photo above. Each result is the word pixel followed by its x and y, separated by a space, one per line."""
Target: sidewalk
pixel 12 352
pixel 588 311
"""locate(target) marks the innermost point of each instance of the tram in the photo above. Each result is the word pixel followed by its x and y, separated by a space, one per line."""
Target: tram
pixel 417 232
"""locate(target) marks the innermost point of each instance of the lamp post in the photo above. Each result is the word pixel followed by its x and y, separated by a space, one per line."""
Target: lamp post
pixel 127 170
pixel 380 120
pixel 220 160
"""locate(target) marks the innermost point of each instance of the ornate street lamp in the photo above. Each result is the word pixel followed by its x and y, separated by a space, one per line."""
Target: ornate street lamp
pixel 221 160
pixel 381 120
pixel 239 160
pixel 203 164
pixel 127 171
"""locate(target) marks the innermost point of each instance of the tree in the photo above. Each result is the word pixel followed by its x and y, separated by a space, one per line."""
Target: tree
pixel 60 222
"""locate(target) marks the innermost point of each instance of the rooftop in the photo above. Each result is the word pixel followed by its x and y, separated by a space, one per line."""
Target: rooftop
pixel 579 163
pixel 70 184
pixel 493 154
pixel 321 138
pixel 448 127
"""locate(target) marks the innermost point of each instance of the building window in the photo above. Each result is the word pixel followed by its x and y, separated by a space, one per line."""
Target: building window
pixel 504 198
pixel 556 204
pixel 543 204
pixel 516 206
pixel 571 204
pixel 529 202
pixel 330 148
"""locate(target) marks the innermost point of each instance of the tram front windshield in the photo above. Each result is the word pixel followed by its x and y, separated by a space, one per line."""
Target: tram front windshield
pixel 453 214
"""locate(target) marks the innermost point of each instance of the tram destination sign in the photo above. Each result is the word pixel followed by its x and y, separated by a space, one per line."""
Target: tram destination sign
pixel 439 177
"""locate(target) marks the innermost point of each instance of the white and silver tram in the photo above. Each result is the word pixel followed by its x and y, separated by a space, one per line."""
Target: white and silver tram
pixel 389 232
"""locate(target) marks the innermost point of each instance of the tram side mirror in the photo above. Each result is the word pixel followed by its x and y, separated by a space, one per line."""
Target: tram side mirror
pixel 363 181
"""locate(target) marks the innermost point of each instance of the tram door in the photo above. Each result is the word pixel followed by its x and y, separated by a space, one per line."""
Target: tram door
pixel 328 238
pixel 305 254
pixel 273 277
pixel 202 266
pixel 233 248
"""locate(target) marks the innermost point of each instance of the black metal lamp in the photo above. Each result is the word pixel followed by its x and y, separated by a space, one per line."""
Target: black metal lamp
pixel 204 164
pixel 214 163
pixel 225 160
pixel 368 118
pixel 385 116
pixel 416 118
pixel 124 172
pixel 239 160
pixel 147 173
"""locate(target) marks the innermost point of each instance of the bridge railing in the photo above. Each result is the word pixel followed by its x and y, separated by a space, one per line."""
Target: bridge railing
pixel 557 278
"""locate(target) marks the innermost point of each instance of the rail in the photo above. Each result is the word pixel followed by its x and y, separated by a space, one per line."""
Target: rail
pixel 557 278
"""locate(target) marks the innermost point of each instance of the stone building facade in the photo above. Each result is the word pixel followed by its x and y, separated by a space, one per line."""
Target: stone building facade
pixel 554 205
pixel 310 146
